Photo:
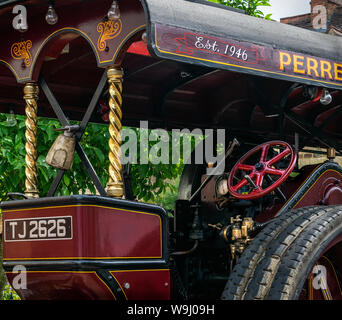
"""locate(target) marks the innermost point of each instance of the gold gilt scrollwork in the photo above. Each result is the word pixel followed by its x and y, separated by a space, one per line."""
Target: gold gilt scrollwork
pixel 21 50
pixel 108 30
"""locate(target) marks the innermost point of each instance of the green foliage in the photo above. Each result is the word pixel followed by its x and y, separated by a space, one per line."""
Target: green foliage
pixel 6 292
pixel 158 183
pixel 9 294
pixel 150 182
pixel 251 7
pixel 168 198
pixel 12 158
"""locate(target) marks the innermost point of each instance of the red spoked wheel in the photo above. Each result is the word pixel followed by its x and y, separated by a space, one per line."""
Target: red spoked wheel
pixel 261 162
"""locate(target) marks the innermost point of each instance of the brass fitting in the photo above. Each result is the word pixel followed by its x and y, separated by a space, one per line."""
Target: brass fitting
pixel 241 230
pixel 331 154
pixel 236 233
pixel 247 226
pixel 31 92
pixel 115 186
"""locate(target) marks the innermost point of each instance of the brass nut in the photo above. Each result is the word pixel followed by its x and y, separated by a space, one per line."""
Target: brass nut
pixel 115 73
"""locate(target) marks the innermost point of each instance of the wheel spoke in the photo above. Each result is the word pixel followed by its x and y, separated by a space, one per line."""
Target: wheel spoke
pixel 259 180
pixel 245 167
pixel 241 184
pixel 264 153
pixel 275 172
pixel 278 157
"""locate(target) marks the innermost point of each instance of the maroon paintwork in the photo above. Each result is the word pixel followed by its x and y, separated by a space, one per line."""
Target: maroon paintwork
pixel 98 233
pixel 87 285
pixel 245 56
pixel 64 285
pixel 144 284
pixel 118 233
pixel 333 292
pixel 76 19
pixel 326 190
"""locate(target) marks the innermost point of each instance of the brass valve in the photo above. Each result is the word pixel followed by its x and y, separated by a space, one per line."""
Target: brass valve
pixel 241 230
pixel 237 233
pixel 247 227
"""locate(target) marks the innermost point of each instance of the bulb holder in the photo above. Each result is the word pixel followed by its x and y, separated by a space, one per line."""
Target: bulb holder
pixel 114 11
pixel 326 97
pixel 11 121
pixel 23 29
pixel 144 37
pixel 51 15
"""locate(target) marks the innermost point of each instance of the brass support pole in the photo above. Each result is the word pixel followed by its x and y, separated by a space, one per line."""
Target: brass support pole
pixel 331 154
pixel 31 92
pixel 115 186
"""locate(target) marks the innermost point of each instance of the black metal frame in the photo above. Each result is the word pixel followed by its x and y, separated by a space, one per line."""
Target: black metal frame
pixel 282 111
pixel 64 122
pixel 313 132
pixel 192 75
pixel 325 123
pixel 4 3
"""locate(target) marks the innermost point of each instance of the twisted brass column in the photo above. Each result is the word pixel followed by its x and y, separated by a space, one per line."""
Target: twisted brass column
pixel 31 92
pixel 115 185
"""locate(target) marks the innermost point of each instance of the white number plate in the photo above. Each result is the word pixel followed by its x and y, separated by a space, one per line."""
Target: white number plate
pixel 33 229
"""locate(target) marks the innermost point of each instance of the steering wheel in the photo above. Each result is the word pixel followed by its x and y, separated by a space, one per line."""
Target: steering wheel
pixel 253 176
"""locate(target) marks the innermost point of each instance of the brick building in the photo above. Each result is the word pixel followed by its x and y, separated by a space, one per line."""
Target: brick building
pixel 334 17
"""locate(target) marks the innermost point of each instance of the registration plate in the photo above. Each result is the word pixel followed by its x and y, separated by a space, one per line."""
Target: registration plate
pixel 35 229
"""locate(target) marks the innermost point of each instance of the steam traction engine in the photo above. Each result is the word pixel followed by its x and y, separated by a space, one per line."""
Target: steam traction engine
pixel 267 228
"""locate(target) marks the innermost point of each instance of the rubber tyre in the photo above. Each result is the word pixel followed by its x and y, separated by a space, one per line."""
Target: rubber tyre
pixel 278 261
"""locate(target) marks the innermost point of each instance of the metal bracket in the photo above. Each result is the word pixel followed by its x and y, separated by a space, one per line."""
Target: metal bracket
pixel 65 122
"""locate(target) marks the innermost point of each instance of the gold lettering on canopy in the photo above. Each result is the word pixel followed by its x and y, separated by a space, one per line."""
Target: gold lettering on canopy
pixel 108 30
pixel 310 66
pixel 21 51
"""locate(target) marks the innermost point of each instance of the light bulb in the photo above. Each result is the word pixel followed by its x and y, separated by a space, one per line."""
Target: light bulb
pixel 114 11
pixel 23 28
pixel 51 15
pixel 144 37
pixel 326 97
pixel 11 121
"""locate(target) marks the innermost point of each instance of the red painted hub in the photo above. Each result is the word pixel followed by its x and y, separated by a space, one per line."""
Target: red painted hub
pixel 255 174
